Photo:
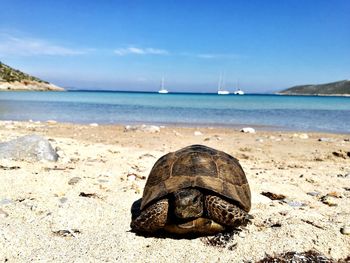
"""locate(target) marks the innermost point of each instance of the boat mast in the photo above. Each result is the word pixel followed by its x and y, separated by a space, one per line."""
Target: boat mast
pixel 162 84
pixel 220 82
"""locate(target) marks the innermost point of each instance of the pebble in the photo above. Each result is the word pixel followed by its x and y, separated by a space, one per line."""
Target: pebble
pixel 93 124
pixel 248 130
pixel 295 203
pixel 259 140
pixel 345 230
pixel 177 133
pixel 131 177
pixel 74 180
pixel 242 234
pixel 6 201
pixel 328 200
pixel 304 136
pixel 335 194
pixel 3 213
pixel 143 127
pixel 339 154
pixel 215 137
pixel 313 193
pixel 197 133
pixel 326 140
pixel 343 175
pixel 63 200
pixel 273 196
pixel 51 122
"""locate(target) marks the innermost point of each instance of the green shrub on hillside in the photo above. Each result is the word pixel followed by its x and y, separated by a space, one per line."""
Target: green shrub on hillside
pixel 8 74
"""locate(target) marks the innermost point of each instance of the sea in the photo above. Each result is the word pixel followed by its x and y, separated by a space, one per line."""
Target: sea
pixel 268 112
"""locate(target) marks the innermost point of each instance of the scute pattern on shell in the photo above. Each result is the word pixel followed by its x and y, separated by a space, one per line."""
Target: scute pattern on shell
pixel 198 166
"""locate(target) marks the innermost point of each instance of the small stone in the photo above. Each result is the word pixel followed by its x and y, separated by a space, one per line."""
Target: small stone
pixel 295 203
pixel 131 177
pixel 242 234
pixel 93 124
pixel 5 201
pixel 147 155
pixel 334 194
pixel 74 180
pixel 259 140
pixel 273 196
pixel 248 130
pixel 339 154
pixel 197 133
pixel 304 136
pixel 51 122
pixel 328 200
pixel 345 230
pixel 325 139
pixel 143 128
pixel 343 175
pixel 63 200
pixel 3 213
pixel 177 133
pixel 313 193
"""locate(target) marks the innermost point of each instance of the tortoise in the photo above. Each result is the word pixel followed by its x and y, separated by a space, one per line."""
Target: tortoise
pixel 195 190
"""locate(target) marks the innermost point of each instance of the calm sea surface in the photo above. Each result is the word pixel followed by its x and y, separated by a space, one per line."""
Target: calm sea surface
pixel 329 114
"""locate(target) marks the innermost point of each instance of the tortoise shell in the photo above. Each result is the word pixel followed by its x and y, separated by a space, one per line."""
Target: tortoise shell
pixel 201 167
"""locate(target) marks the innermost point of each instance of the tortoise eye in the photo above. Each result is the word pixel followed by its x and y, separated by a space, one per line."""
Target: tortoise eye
pixel 196 199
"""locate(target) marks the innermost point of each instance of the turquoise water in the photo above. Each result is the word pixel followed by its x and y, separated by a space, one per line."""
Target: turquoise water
pixel 329 114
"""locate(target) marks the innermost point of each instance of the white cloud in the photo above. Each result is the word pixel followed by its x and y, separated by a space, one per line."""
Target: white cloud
pixel 217 56
pixel 211 55
pixel 140 51
pixel 22 46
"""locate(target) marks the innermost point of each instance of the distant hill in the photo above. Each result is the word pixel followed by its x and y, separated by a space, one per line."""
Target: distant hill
pixel 13 79
pixel 339 88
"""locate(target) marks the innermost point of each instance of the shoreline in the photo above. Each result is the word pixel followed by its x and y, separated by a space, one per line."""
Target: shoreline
pixel 312 95
pixel 44 216
pixel 236 127
pixel 28 85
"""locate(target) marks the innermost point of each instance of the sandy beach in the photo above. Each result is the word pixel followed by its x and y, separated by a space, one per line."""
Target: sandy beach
pixel 78 208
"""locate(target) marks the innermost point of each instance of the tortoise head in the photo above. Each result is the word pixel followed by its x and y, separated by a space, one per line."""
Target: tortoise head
pixel 188 203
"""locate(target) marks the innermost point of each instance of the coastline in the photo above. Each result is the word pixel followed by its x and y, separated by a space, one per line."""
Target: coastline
pixel 37 201
pixel 28 85
pixel 317 95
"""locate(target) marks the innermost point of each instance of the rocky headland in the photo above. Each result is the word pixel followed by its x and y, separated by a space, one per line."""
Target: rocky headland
pixel 15 80
pixel 339 88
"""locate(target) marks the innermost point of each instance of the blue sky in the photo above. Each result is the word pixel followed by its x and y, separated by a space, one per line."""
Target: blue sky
pixel 130 45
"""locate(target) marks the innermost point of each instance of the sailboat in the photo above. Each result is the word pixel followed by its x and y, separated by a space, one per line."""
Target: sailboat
pixel 238 91
pixel 221 90
pixel 162 89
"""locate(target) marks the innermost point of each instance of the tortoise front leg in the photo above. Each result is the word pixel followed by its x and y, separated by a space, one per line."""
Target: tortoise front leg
pixel 223 212
pixel 152 218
